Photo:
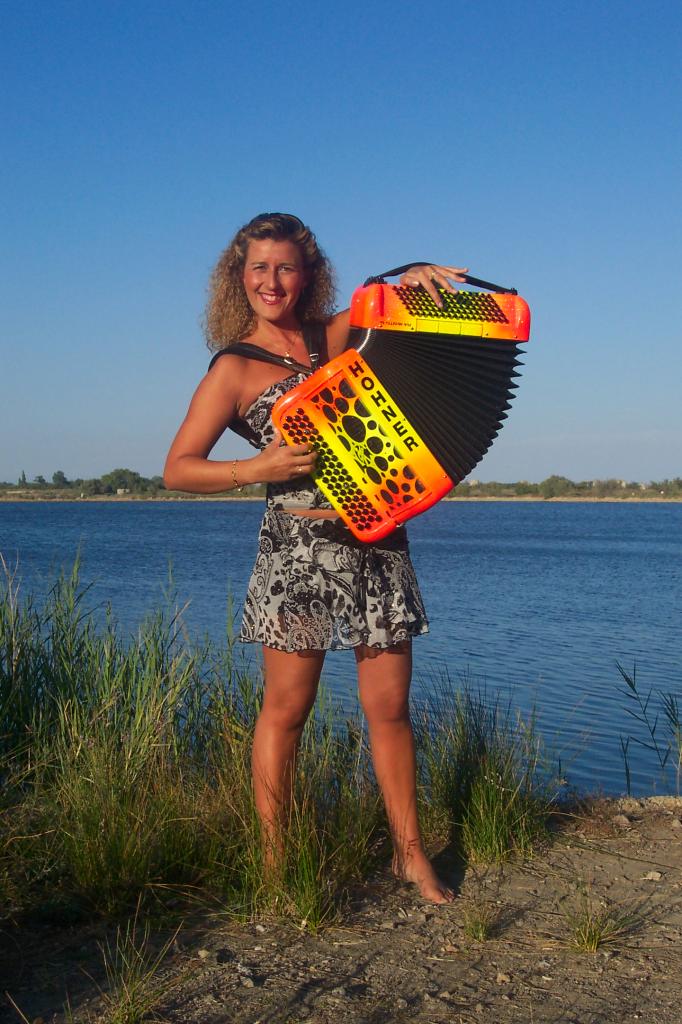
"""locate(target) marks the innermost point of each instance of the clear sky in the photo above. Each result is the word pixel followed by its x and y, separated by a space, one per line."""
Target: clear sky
pixel 539 143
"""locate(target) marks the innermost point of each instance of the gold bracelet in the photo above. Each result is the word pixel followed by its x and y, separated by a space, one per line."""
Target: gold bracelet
pixel 237 486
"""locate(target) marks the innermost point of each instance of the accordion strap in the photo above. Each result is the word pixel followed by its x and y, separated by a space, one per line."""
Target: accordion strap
pixel 475 281
pixel 312 336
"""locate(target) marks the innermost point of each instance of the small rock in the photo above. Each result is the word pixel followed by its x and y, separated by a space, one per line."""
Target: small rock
pixel 401 1004
pixel 479 1008
pixel 339 991
pixel 502 979
pixel 676 823
pixel 544 965
pixel 247 982
pixel 621 821
pixel 652 876
pixel 419 918
pixel 203 954
pixel 260 928
pixel 387 925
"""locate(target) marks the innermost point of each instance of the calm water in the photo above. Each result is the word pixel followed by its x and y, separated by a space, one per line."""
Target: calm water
pixel 536 600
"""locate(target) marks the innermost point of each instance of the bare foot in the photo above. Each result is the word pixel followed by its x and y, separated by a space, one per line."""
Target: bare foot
pixel 418 869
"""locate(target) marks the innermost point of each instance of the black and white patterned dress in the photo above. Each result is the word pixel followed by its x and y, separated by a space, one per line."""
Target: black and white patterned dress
pixel 314 585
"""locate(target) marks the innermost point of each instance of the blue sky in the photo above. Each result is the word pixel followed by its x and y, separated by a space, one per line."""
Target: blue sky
pixel 537 143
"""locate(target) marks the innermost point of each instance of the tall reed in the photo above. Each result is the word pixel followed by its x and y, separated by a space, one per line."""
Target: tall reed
pixel 126 770
pixel 485 784
pixel 658 717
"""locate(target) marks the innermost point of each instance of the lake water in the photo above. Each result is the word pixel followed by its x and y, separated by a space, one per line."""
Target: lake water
pixel 535 600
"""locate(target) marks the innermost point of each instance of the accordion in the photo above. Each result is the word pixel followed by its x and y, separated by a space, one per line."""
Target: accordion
pixel 412 405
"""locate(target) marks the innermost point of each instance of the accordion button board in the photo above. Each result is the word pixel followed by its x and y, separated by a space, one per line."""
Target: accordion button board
pixel 407 412
pixel 386 307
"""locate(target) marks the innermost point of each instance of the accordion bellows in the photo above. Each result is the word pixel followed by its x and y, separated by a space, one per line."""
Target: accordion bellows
pixel 413 404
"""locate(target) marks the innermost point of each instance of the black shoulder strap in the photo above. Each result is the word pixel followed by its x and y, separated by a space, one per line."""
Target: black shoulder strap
pixel 243 348
pixel 313 336
pixel 475 281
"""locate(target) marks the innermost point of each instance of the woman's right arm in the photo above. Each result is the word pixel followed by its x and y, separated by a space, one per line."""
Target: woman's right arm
pixel 213 406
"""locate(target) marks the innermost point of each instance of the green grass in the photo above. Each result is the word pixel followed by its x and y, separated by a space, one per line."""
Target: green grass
pixel 135 987
pixel 125 765
pixel 486 786
pixel 592 924
pixel 480 921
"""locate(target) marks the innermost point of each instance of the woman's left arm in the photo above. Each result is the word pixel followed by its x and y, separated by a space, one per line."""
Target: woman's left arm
pixel 430 276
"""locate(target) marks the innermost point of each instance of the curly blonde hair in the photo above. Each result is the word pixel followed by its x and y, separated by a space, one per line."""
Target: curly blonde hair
pixel 229 317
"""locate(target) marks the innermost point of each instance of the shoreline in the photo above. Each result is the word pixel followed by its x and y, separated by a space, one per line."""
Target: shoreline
pixel 133 498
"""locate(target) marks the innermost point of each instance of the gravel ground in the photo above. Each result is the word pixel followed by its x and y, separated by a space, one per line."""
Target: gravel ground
pixel 395 958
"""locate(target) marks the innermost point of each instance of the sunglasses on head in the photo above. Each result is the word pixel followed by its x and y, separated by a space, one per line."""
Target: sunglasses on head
pixel 283 216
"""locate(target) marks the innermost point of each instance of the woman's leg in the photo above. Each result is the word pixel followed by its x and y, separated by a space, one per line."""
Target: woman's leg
pixel 290 689
pixel 384 686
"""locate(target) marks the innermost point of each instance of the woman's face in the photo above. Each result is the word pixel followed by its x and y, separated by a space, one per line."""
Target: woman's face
pixel 274 277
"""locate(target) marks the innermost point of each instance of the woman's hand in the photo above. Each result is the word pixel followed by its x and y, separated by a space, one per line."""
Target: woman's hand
pixel 431 276
pixel 279 462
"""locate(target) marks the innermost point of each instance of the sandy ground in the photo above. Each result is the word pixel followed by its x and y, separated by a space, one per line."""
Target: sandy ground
pixel 394 958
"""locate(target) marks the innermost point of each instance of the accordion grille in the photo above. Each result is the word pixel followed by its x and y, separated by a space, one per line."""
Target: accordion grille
pixel 460 306
pixel 371 462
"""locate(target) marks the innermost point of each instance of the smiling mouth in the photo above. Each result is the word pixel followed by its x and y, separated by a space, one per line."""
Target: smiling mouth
pixel 269 298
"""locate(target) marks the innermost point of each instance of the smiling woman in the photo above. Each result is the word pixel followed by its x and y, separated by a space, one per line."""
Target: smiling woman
pixel 230 316
pixel 314 587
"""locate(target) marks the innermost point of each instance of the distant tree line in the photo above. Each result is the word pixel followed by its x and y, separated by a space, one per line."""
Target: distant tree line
pixel 127 481
pixel 562 487
pixel 118 481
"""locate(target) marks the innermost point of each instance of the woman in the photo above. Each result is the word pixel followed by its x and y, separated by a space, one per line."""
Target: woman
pixel 314 586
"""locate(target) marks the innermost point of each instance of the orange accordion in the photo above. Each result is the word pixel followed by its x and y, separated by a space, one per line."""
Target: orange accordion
pixel 413 404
